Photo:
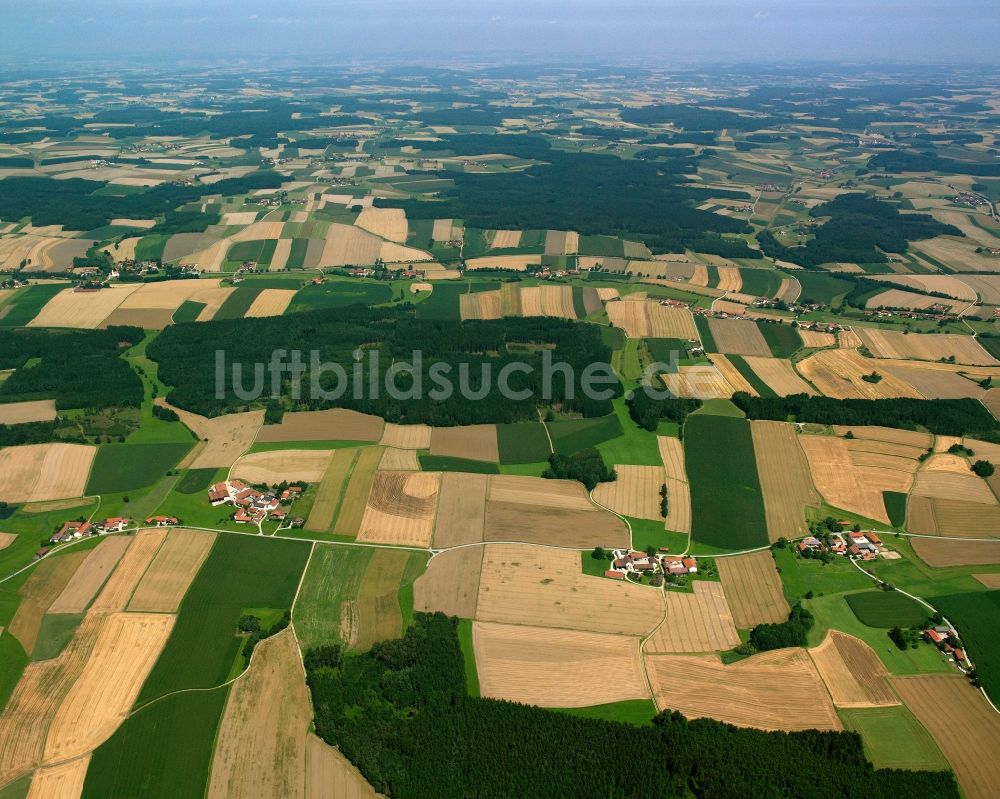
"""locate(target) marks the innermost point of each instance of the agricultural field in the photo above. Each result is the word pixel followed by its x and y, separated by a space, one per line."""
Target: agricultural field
pixel 38 472
pixel 784 478
pixel 852 672
pixel 753 589
pixel 697 622
pixel 778 690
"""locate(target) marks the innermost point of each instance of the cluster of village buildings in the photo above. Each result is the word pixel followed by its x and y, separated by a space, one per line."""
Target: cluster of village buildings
pixel 625 562
pixel 942 636
pixel 76 528
pixel 857 546
pixel 253 506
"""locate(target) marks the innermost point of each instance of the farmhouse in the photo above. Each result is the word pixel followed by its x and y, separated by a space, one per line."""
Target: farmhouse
pixel 162 521
pixel 70 531
pixel 675 564
pixel 115 524
pixel 635 562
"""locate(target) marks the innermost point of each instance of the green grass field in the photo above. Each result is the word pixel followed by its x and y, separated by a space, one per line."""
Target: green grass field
pixel 705 334
pixel 444 463
pixel 25 305
pixel 894 738
pixel 126 467
pixel 727 507
pixel 524 442
pixel 468 657
pixel 340 294
pixel 635 445
pixel 188 311
pixel 334 575
pixel 648 533
pixel 886 609
pixel 822 287
pixel 783 339
pixel 760 282
pixel 573 435
pixel 975 617
pixel 237 303
pixel 799 576
pixel 13 660
pixel 56 631
pixel 150 248
pixel 240 572
pixel 195 480
pixel 637 712
pixel 895 506
pixel 126 765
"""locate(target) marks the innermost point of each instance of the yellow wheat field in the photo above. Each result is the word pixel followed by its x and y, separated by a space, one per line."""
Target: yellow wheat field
pixel 926 346
pixel 283 465
pixel 678 491
pixel 837 479
pixel 125 651
pixel 753 589
pixel 30 411
pixel 178 560
pixel 697 382
pixel 523 584
pixel 226 437
pixel 634 492
pixel 696 622
pixel 853 673
pixel 779 690
pixel 387 223
pixel 83 309
pixel 37 472
pixel 838 374
pixel 779 375
pixel 556 668
pixel 461 516
pixel 785 478
pixel 270 302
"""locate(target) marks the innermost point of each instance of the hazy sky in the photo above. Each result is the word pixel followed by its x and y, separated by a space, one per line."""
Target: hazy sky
pixel 851 30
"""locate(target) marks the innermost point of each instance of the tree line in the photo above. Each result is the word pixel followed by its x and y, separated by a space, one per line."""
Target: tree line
pixel 946 417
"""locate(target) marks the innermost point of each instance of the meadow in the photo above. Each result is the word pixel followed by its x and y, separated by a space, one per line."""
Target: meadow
pixel 975 615
pixel 127 467
pixel 720 462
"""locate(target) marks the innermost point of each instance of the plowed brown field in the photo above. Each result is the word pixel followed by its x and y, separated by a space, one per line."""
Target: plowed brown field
pixel 477 442
pixel 337 424
pixel 461 514
pixel 939 552
pixel 450 583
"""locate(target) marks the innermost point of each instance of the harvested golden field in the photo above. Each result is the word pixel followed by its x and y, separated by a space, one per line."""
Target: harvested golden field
pixel 213 300
pixel 37 472
pixel 148 319
pixel 516 263
pixel 946 462
pixel 853 673
pixel 83 309
pixel 753 589
pixel 226 437
pixel 848 339
pixel 789 291
pixel 959 254
pixel 926 346
pixel 779 375
pixel 678 490
pixel 477 442
pixel 964 487
pixel 838 481
pixel 387 223
pixel 649 319
pixel 328 493
pixel 933 383
pixel 125 651
pixel 261 745
pixel 816 338
pixel 283 465
pixel 401 508
pixel 37 696
pixel 900 298
pixel 239 218
pixel 523 584
pixel 553 512
pixel 635 492
pixel 450 583
pixel 505 239
pixel 6 539
pixel 419 287
pixel 556 668
pixel 729 307
pixel 700 275
pixel 914 440
pixel 607 294
pixel 738 337
pixel 957 518
pixel 64 781
pixel 991 399
pixel 336 424
pixel 729 279
pixel 697 382
pixel 399 460
pixel 255 231
pixel 461 516
pixel 329 774
pixel 31 411
pixel 959 288
pixel 406 436
pixel 732 375
pixel 176 563
pixel 445 230
pixel 347 245
pixel 166 295
pixel 983 449
pixel 991 581
pixel 696 622
pixel 556 301
pixel 125 578
pixel 270 302
pixel 44 584
pixel 838 374
pixel 778 690
pixel 282 250
pixel 354 504
pixel 561 242
pixel 480 305
pixel 968 734
pixel 91 575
